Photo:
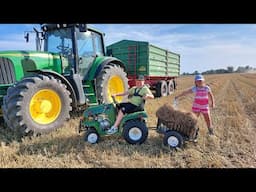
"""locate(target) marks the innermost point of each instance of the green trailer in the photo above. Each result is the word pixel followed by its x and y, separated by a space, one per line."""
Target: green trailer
pixel 159 66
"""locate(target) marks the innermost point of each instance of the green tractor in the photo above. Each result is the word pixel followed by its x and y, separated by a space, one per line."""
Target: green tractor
pixel 39 89
pixel 98 119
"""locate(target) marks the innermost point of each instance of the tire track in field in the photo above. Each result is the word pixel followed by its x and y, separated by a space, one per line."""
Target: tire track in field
pixel 247 95
pixel 236 142
pixel 248 81
pixel 247 91
pixel 217 112
pixel 218 115
pixel 228 125
pixel 249 130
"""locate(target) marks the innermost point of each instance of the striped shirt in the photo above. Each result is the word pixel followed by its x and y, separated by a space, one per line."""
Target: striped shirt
pixel 201 100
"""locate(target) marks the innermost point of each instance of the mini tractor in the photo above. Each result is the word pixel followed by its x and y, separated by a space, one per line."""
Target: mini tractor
pixel 39 89
pixel 98 119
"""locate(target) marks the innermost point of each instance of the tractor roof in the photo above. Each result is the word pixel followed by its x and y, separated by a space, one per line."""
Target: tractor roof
pixel 46 27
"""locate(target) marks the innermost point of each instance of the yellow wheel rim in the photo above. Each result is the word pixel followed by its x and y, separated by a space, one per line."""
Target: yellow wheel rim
pixel 115 85
pixel 45 106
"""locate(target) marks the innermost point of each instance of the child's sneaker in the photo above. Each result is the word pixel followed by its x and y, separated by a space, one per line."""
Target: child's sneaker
pixel 112 130
pixel 193 140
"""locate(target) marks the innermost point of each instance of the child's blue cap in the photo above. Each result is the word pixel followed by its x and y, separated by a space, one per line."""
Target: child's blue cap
pixel 199 78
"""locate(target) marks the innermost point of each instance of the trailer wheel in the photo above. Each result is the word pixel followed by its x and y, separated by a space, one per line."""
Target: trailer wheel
pixel 38 103
pixel 170 87
pixel 173 139
pixel 174 84
pixel 91 136
pixel 161 89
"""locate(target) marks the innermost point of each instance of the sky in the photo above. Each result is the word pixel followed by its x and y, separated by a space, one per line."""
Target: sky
pixel 202 47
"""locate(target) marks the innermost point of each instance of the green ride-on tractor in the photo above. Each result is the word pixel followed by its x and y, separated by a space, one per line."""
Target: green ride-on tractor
pixel 98 119
pixel 39 89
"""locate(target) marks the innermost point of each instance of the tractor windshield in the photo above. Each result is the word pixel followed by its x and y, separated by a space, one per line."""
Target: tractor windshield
pixel 59 41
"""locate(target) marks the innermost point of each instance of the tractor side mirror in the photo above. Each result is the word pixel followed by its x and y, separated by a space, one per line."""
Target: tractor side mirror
pixel 26 36
pixel 82 27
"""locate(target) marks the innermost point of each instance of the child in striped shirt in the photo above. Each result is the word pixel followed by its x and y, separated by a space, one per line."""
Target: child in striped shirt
pixel 201 100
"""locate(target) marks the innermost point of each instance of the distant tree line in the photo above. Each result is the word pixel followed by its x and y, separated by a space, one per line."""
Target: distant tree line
pixel 230 69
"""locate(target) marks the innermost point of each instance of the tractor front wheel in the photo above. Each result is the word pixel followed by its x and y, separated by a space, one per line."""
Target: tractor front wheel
pixel 91 136
pixel 39 104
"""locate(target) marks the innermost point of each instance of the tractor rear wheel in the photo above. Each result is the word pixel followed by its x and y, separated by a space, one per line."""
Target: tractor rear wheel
pixel 135 132
pixel 112 79
pixel 38 103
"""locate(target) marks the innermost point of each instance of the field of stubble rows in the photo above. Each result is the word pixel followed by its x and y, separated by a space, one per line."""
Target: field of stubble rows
pixel 234 145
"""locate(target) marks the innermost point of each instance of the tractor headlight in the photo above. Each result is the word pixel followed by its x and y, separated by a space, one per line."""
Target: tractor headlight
pixel 105 124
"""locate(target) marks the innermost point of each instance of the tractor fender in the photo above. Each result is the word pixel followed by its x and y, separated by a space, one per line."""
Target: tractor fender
pixel 63 80
pixel 107 61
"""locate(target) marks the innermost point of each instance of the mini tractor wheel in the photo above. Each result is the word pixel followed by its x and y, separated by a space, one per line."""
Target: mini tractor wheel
pixel 38 103
pixel 173 139
pixel 91 136
pixel 135 132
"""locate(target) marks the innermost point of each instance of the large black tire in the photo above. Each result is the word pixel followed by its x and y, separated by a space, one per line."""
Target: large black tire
pixel 161 88
pixel 106 85
pixel 135 132
pixel 174 84
pixel 173 139
pixel 17 105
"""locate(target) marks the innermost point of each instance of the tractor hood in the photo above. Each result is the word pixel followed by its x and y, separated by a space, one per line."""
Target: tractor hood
pixel 95 110
pixel 21 63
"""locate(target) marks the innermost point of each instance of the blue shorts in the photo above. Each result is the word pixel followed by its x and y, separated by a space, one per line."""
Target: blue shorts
pixel 127 107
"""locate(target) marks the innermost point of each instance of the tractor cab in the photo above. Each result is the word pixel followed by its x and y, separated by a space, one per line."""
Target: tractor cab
pixel 80 49
pixel 77 45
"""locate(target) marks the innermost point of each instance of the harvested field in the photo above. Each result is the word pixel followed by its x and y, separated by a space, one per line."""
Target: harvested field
pixel 233 146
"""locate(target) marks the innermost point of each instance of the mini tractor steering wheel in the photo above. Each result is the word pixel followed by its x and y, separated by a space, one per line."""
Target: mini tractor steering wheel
pixel 115 101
